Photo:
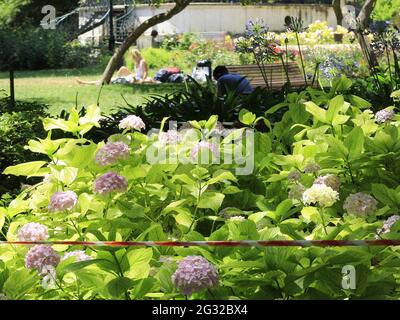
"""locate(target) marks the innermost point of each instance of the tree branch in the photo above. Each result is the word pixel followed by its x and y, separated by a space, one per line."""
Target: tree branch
pixel 337 8
pixel 130 40
pixel 365 13
pixel 362 21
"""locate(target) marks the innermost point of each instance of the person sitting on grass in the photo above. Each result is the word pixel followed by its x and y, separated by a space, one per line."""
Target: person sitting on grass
pixel 125 76
pixel 230 82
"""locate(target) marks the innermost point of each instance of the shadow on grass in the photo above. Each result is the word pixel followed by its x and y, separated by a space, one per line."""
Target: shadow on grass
pixel 88 71
pixel 155 87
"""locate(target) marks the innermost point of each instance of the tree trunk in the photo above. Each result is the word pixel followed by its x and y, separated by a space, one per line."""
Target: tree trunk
pixel 130 40
pixel 365 13
pixel 362 20
pixel 12 92
pixel 337 8
pixel 368 54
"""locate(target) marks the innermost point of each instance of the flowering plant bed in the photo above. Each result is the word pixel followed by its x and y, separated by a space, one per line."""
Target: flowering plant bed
pixel 326 171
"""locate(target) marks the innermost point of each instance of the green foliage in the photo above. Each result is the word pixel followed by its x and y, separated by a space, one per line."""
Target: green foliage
pixel 18 125
pixel 17 12
pixel 219 52
pixel 196 102
pixel 31 48
pixel 180 42
pixel 385 10
pixel 9 9
pixel 158 58
pixel 210 201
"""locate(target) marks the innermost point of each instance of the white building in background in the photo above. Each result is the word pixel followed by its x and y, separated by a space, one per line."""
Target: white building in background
pixel 213 19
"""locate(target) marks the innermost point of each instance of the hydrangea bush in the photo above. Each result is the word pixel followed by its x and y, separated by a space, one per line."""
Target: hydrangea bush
pixel 327 171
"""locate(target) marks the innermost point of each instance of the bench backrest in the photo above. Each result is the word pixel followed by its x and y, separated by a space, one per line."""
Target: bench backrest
pixel 276 74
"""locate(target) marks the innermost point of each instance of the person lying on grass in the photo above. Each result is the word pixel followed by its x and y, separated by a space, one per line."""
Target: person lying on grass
pixel 124 76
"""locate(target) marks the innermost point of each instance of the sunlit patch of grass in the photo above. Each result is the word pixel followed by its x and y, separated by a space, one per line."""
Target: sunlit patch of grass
pixel 59 89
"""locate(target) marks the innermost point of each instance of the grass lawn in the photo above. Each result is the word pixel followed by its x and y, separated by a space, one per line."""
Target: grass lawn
pixel 58 89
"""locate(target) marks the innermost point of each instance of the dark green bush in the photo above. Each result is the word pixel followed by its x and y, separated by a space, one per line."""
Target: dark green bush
pixel 179 41
pixel 17 126
pixel 192 102
pixel 375 90
pixel 31 48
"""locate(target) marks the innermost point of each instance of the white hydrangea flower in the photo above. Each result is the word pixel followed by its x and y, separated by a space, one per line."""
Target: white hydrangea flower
pixel 132 122
pixel 79 255
pixel 320 194
pixel 237 218
pixel 50 276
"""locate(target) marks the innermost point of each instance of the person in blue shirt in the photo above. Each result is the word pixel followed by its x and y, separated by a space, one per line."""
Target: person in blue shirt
pixel 230 82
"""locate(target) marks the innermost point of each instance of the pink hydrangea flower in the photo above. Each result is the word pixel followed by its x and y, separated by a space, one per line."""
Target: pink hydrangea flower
pixel 170 137
pixel 360 204
pixel 132 122
pixel 79 255
pixel 203 146
pixel 219 130
pixel 63 200
pixel 38 257
pixel 312 168
pixel 388 224
pixel 110 182
pixel 33 231
pixel 384 115
pixel 294 176
pixel 186 126
pixel 296 192
pixel 112 152
pixel 194 274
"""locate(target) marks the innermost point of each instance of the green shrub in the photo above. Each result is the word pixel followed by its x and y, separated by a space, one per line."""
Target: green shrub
pixel 32 48
pixel 18 125
pixel 218 53
pixel 192 102
pixel 76 55
pixel 179 41
pixel 326 171
pixel 386 10
pixel 158 58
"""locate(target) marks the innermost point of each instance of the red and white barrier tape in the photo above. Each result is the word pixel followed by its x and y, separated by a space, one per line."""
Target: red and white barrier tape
pixel 240 243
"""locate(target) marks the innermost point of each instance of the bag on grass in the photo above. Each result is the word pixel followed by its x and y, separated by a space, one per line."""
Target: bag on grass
pixel 176 78
pixel 163 74
pixel 173 70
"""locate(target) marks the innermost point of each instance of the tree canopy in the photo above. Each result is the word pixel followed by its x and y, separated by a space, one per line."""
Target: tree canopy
pixel 386 10
pixel 9 9
pixel 19 12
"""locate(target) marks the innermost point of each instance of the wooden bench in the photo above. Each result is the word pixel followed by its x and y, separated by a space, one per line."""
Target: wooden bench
pixel 276 75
